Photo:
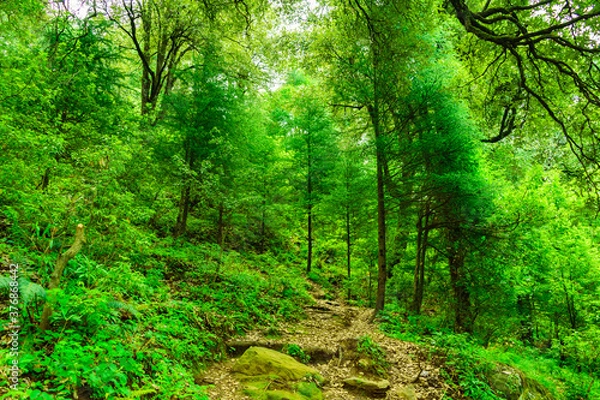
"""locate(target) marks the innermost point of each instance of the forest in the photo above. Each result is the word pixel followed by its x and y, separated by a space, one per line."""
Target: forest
pixel 176 174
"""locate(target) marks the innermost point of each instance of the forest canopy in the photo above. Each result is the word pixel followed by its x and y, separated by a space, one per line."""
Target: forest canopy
pixel 437 161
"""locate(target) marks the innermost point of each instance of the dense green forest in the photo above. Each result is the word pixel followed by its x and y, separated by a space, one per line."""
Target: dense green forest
pixel 174 174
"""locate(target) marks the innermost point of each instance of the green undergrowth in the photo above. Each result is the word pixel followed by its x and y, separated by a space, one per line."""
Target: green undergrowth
pixel 146 325
pixel 465 361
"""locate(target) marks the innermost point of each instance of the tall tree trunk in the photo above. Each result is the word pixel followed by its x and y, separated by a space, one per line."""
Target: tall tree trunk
pixel 220 226
pixel 184 208
pixel 419 274
pixel 61 263
pixel 381 245
pixel 381 228
pixel 43 185
pixel 146 77
pixel 263 219
pixel 570 303
pixel 309 187
pixel 524 309
pixel 310 240
pixel 463 320
pixel 184 200
pixel 348 249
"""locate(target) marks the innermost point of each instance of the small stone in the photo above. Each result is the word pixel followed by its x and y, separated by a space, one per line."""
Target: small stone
pixel 373 387
pixel 424 374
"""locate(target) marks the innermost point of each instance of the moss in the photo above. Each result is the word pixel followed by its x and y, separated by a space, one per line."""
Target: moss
pixel 258 361
pixel 271 375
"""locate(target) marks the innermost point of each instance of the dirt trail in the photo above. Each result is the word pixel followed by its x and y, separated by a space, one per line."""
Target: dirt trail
pixel 328 335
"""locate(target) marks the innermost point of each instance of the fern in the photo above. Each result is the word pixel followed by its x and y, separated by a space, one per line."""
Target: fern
pixel 5 282
pixel 119 305
pixel 28 291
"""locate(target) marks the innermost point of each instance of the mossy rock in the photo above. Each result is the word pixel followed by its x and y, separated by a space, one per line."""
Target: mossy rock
pixel 309 390
pixel 270 375
pixel 506 382
pixel 512 384
pixel 257 361
pixel 533 390
pixel 373 387
pixel 305 391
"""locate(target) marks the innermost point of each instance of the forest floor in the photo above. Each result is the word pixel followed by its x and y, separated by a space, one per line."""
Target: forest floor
pixel 330 334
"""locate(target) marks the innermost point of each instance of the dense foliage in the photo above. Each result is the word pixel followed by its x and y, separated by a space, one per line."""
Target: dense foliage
pixel 436 161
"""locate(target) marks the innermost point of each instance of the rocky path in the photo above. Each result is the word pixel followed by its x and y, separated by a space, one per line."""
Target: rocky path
pixel 330 335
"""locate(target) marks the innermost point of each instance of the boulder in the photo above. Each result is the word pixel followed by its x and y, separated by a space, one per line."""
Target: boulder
pixel 258 361
pixel 378 387
pixel 512 384
pixel 270 375
pixel 506 382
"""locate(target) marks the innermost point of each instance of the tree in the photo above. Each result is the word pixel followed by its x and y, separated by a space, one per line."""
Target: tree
pixel 203 112
pixel 308 127
pixel 163 32
pixel 452 194
pixel 369 73
pixel 346 204
pixel 552 47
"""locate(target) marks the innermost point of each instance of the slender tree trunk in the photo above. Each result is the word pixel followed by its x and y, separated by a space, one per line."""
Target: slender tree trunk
pixel 309 187
pixel 381 228
pixel 146 78
pixel 419 274
pixel 43 185
pixel 381 245
pixel 185 199
pixel 220 226
pixel 463 321
pixel 263 220
pixel 348 249
pixel 184 208
pixel 524 309
pixel 370 288
pixel 310 240
pixel 61 263
pixel 570 303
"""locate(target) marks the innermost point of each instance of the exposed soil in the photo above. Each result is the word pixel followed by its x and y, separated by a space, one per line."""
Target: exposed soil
pixel 330 335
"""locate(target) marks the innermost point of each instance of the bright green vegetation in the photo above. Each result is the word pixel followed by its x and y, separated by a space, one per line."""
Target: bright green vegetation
pixel 470 364
pixel 374 360
pixel 296 351
pixel 176 173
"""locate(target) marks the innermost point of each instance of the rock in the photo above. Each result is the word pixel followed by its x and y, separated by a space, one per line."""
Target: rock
pixel 405 393
pixel 258 361
pixel 379 387
pixel 270 375
pixel 364 364
pixel 506 382
pixel 512 384
pixel 533 390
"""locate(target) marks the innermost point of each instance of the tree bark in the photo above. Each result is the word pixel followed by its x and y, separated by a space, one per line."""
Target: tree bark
pixel 348 244
pixel 463 320
pixel 220 227
pixel 309 189
pixel 524 309
pixel 381 227
pixel 61 263
pixel 184 208
pixel 419 274
pixel 146 77
pixel 263 217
